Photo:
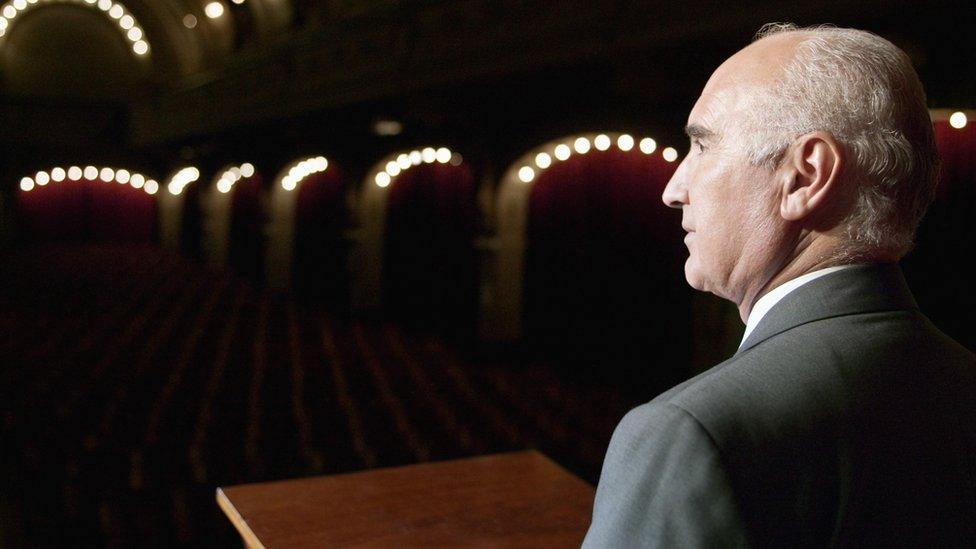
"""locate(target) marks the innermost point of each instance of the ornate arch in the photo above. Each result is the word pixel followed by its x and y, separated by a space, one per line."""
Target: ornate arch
pixel 366 259
pixel 281 221
pixel 13 10
pixel 501 312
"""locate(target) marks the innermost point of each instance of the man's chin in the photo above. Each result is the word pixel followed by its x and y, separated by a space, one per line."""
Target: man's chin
pixel 693 277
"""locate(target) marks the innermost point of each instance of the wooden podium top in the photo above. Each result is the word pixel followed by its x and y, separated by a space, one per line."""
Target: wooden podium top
pixel 516 499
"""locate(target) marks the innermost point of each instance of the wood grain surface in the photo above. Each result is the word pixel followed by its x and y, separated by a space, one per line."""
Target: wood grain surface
pixel 515 499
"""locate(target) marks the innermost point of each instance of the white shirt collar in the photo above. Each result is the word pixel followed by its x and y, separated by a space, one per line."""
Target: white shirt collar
pixel 766 302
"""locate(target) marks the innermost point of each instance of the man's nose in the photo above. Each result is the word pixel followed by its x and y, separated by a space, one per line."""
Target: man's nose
pixel 675 194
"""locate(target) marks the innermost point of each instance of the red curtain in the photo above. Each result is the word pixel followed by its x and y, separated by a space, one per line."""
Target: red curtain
pixel 247 219
pixel 430 265
pixel 87 212
pixel 946 239
pixel 320 249
pixel 605 288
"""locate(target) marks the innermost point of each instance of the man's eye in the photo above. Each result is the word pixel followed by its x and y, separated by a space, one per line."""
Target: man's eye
pixel 697 143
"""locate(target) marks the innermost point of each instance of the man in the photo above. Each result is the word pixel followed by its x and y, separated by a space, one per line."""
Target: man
pixel 845 418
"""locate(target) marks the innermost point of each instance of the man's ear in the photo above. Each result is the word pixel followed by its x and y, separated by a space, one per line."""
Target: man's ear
pixel 812 168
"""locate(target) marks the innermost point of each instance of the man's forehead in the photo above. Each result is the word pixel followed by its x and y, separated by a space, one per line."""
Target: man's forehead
pixel 735 83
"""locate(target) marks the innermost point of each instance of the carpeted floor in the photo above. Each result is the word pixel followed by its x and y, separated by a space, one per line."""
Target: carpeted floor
pixel 135 382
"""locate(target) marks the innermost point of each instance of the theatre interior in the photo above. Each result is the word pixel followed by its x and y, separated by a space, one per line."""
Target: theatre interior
pixel 247 241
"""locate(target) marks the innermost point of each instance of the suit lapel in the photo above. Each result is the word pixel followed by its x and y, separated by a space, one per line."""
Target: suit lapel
pixel 861 289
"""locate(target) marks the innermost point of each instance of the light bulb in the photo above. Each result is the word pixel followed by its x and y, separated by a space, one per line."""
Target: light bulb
pixel 625 142
pixel 543 160
pixel 648 145
pixel 562 152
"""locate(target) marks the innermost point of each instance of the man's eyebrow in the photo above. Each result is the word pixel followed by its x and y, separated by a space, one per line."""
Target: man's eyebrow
pixel 695 131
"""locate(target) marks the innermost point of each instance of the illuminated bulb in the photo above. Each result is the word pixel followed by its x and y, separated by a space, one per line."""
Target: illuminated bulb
pixel 562 152
pixel 9 11
pixel 670 154
pixel 42 178
pixel 58 174
pixel 122 176
pixel 543 160
pixel 415 157
pixel 322 162
pixel 443 155
pixel 140 47
pixel 74 173
pixel 214 10
pixel 104 5
pixel 238 2
pixel 958 120
pixel 247 169
pixel 91 172
pixel 151 186
pixel 189 20
pixel 582 145
pixel 3 24
pixel 625 142
pixel 288 183
pixel 223 186
pixel 116 11
pixel 392 168
pixel 26 184
pixel 107 174
pixel 428 155
pixel 235 173
pixel 647 145
pixel 601 142
pixel 134 34
pixel 526 174
pixel 127 22
pixel 137 181
pixel 174 188
pixel 20 4
pixel 383 179
pixel 403 161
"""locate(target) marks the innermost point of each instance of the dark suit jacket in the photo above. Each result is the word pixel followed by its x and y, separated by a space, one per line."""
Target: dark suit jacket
pixel 845 419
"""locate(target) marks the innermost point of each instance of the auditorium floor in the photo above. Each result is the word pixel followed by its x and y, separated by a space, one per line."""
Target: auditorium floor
pixel 135 382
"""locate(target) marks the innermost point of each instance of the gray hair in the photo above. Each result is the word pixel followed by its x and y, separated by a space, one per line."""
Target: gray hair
pixel 862 90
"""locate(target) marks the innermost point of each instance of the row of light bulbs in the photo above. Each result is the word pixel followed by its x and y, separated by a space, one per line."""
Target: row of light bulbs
pixel 303 169
pixel 582 145
pixel 233 175
pixel 405 161
pixel 181 179
pixel 126 22
pixel 90 173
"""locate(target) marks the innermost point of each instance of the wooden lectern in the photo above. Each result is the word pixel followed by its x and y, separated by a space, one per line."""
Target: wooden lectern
pixel 516 499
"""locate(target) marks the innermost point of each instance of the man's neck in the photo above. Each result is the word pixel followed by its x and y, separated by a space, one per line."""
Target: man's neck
pixel 809 256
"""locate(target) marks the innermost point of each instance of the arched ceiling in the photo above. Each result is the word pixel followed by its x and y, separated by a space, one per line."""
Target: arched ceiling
pixel 87 50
